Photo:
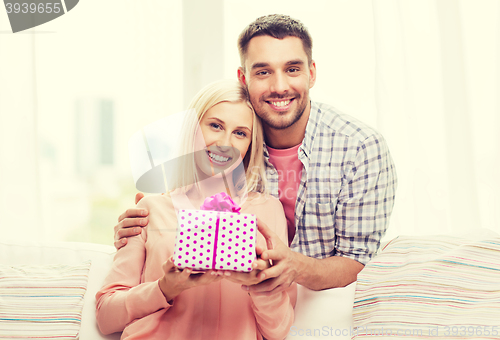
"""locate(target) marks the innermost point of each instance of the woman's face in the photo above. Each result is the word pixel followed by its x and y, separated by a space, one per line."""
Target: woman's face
pixel 227 133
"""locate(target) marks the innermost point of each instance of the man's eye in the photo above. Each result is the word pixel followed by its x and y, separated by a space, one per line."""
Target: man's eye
pixel 262 73
pixel 293 69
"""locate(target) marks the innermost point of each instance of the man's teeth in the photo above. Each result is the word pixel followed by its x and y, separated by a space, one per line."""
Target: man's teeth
pixel 218 158
pixel 281 103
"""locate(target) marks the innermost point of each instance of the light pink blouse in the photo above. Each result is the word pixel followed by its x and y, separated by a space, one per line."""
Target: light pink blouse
pixel 131 300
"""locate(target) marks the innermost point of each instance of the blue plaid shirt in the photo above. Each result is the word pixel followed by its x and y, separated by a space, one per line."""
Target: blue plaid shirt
pixel 347 189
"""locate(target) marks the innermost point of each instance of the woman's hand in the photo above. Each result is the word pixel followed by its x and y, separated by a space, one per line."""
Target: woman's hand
pixel 175 281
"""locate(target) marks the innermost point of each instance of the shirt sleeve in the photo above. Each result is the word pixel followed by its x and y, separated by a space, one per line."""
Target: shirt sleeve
pixel 123 298
pixel 275 313
pixel 366 200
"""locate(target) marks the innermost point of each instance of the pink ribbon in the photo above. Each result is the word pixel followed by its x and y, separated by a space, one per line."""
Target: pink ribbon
pixel 216 241
pixel 220 202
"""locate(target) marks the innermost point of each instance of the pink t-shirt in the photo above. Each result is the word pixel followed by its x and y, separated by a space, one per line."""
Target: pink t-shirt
pixel 289 167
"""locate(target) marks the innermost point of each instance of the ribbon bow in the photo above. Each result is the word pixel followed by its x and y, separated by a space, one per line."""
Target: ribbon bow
pixel 220 202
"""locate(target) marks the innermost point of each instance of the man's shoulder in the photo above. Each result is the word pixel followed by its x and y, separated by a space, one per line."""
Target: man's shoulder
pixel 340 123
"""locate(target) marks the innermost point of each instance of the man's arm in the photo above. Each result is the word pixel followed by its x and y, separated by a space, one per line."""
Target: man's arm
pixel 362 216
pixel 331 272
pixel 289 266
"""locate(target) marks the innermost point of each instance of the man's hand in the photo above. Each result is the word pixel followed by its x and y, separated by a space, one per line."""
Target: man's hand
pixel 130 223
pixel 284 264
pixel 175 281
pixel 250 278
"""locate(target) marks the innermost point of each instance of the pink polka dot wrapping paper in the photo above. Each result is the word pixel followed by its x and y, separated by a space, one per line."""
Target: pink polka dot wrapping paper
pixel 215 240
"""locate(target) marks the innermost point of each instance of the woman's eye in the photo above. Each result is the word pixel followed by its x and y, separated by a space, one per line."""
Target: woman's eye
pixel 215 126
pixel 240 134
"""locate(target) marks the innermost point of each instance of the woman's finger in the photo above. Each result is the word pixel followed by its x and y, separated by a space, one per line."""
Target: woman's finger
pixel 186 272
pixel 169 266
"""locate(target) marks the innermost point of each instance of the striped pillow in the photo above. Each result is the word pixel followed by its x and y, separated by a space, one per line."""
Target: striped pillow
pixel 428 287
pixel 42 302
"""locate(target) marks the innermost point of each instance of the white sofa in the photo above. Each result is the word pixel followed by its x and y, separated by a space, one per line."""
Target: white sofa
pixel 324 315
pixel 69 253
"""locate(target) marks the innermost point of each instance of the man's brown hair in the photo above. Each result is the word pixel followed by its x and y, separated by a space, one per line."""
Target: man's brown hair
pixel 277 26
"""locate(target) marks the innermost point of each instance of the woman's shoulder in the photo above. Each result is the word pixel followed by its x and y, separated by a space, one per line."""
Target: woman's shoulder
pixel 269 210
pixel 152 201
pixel 263 204
pixel 257 198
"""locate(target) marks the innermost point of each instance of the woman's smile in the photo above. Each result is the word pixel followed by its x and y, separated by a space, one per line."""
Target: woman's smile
pixel 218 159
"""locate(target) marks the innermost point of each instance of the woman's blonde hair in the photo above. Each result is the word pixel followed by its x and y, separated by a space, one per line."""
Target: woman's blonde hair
pixel 218 92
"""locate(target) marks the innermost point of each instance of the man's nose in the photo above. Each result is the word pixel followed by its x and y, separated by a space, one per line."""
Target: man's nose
pixel 280 83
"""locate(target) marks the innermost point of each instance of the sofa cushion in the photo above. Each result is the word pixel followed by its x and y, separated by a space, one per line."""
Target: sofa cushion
pixel 431 286
pixel 67 253
pixel 42 301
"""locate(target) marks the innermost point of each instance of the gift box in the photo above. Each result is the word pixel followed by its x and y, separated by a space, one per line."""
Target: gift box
pixel 215 240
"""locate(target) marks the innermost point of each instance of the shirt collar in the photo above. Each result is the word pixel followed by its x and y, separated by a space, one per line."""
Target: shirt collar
pixel 311 127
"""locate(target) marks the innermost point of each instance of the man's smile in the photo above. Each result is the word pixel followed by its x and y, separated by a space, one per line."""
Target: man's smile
pixel 280 105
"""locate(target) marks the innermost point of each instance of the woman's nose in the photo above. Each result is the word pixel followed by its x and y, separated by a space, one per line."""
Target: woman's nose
pixel 224 143
pixel 223 148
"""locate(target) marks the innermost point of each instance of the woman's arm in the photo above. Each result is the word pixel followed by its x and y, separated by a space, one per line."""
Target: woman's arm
pixel 123 298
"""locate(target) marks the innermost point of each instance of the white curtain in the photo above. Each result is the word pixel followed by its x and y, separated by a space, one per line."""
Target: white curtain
pixel 436 88
pixel 423 72
pixel 72 90
pixel 20 208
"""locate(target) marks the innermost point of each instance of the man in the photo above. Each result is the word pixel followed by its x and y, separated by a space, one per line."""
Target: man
pixel 333 174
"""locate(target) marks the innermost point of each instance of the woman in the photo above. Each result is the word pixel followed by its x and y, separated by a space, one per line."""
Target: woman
pixel 145 295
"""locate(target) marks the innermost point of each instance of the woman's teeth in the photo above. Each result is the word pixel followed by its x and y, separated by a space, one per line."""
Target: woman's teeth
pixel 218 158
pixel 281 103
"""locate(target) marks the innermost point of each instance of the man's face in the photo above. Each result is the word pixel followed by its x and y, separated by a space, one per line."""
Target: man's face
pixel 278 78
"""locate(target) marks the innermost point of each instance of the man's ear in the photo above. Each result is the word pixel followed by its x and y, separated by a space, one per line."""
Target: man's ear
pixel 312 74
pixel 241 76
